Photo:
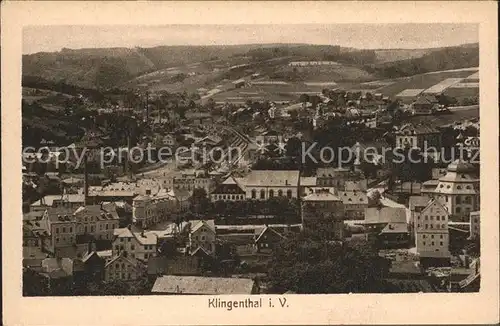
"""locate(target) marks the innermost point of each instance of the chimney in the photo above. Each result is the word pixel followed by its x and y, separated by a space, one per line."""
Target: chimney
pixel 85 181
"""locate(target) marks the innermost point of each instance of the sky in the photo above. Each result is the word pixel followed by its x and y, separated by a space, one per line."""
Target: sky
pixel 363 36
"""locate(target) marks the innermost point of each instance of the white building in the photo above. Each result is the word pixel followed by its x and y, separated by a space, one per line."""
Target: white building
pixel 431 230
pixel 458 190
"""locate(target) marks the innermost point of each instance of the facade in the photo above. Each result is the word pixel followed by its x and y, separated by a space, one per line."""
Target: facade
pixel 265 184
pixel 416 205
pixel 149 210
pixel 336 177
pixel 431 231
pixel 458 190
pixel 424 105
pixel 475 225
pixel 229 190
pixel 123 268
pixel 64 226
pixel 266 239
pixel 326 209
pixel 355 203
pixel 415 136
pixel 202 234
pixel 387 225
pixel 135 245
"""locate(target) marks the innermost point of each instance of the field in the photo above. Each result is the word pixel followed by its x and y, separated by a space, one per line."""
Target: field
pixel 334 73
pixel 423 81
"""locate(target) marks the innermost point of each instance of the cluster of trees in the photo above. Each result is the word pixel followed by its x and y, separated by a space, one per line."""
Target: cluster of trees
pixel 442 59
pixel 306 263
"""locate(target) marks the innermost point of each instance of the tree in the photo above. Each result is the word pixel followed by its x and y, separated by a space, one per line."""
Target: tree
pixel 199 201
pixel 309 265
pixel 304 98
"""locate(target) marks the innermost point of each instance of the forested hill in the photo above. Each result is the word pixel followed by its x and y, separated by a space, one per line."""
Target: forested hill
pixel 111 67
pixel 449 58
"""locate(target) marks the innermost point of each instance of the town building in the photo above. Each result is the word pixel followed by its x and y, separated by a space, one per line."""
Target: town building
pixel 475 225
pixel 355 202
pixel 123 268
pixel 265 184
pixel 268 137
pixel 200 285
pixel 336 177
pixel 388 226
pixel 431 232
pixel 134 245
pixel 266 239
pixel 70 201
pixel 229 190
pixel 325 210
pixel 424 105
pixel 96 220
pixel 416 204
pixel 459 190
pixel 418 136
pixel 150 209
pixel 202 234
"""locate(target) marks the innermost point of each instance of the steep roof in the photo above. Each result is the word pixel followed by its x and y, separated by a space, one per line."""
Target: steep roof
pixel 272 178
pixel 353 197
pixel 418 201
pixel 197 224
pixel 202 285
pixel 268 229
pixel 385 215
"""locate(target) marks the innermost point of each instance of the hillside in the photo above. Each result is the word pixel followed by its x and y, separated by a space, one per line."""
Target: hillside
pixel 115 67
pixel 436 60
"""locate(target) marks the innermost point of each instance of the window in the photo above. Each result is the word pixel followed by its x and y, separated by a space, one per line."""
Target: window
pixel 63 230
pixel 431 218
pixel 426 217
pixel 262 194
pixel 100 227
pixel 432 226
pixel 202 238
pixel 423 243
pixel 132 247
pixel 432 243
pixel 57 230
pixel 254 194
pixel 289 193
pixel 280 193
pixel 458 210
pixel 437 218
pixel 441 243
pixel 441 236
pixel 442 226
pixel 117 247
pixel 426 226
pixel 458 200
pixel 423 236
pixel 70 229
pixel 107 226
pixel 271 193
pixel 129 239
pixel 432 236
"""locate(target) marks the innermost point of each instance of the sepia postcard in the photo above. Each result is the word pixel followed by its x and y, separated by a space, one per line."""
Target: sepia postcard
pixel 220 163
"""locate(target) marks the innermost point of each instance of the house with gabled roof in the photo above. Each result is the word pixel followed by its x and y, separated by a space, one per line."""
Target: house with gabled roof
pixel 266 239
pixel 229 190
pixel 432 234
pixel 202 234
pixel 136 245
pixel 123 268
pixel 387 225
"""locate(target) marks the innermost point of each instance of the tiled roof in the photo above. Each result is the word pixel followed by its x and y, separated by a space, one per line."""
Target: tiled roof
pixel 308 181
pixel 353 197
pixel 395 228
pixel 270 229
pixel 321 196
pixel 272 178
pixel 202 285
pixel 418 201
pixel 49 199
pixel 196 224
pixel 385 215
